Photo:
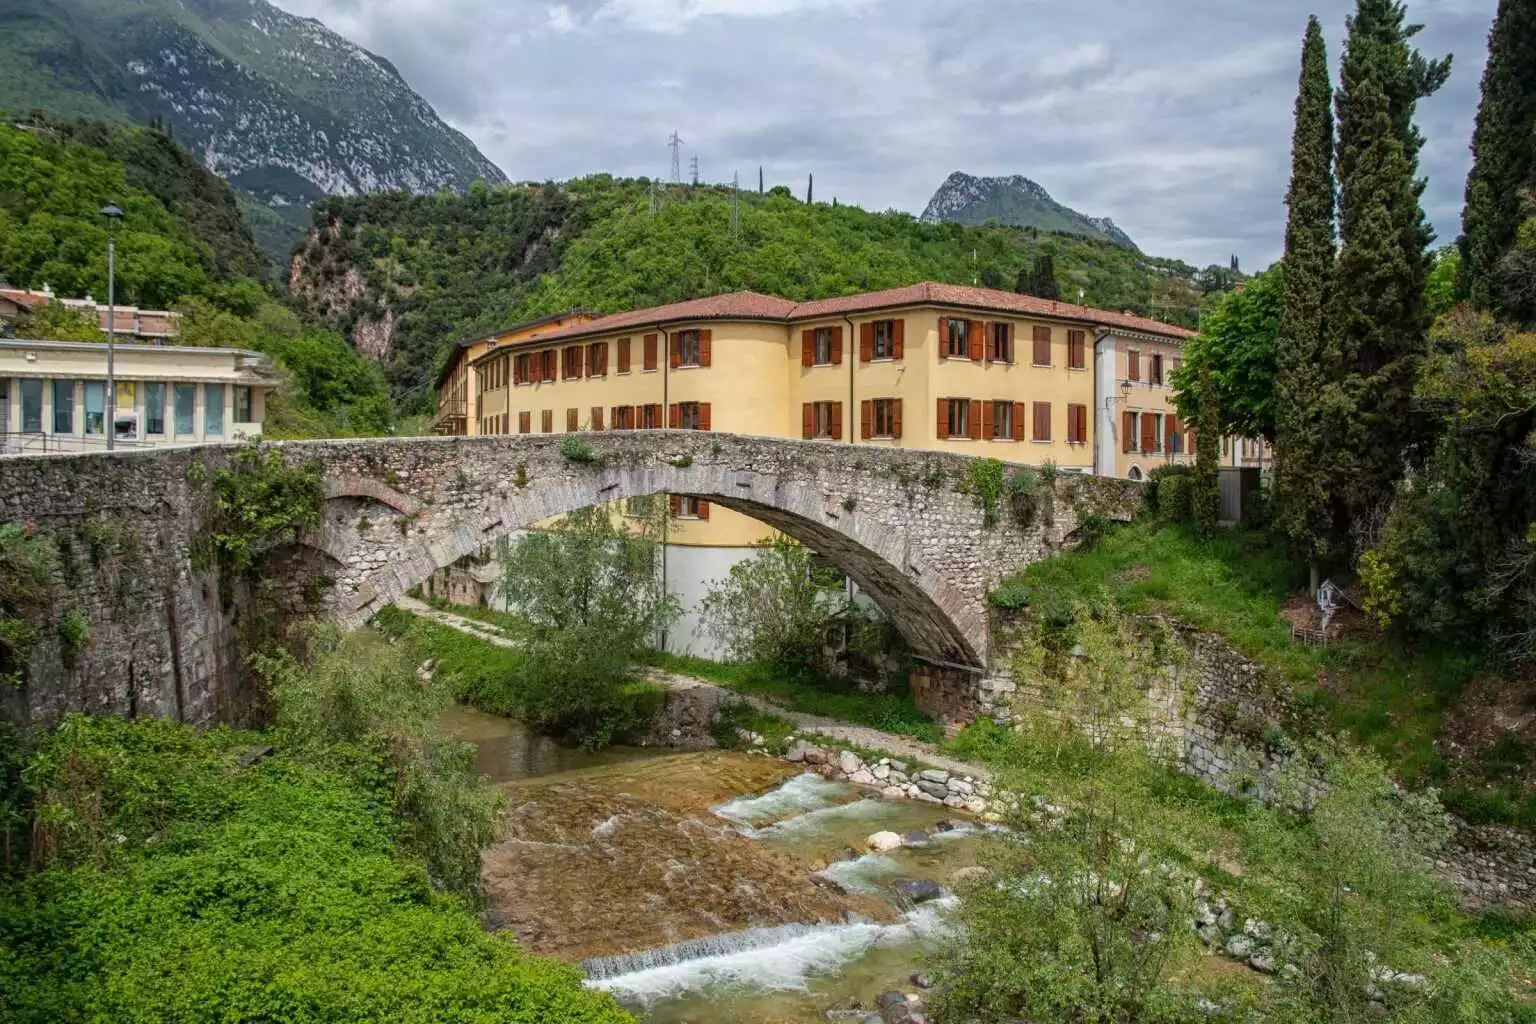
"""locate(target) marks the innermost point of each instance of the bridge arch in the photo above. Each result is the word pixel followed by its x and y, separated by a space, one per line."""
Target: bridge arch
pixel 902 523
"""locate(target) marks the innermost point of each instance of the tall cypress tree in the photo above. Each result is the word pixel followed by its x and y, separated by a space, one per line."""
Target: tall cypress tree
pixel 1046 285
pixel 1307 365
pixel 1377 317
pixel 1504 153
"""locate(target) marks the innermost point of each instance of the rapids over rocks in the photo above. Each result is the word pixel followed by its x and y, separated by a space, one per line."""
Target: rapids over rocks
pixel 715 885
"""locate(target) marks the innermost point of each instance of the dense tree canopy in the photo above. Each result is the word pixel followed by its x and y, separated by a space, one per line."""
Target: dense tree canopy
pixel 1237 343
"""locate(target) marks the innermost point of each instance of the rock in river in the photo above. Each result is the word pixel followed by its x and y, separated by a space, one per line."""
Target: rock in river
pixel 915 891
pixel 883 842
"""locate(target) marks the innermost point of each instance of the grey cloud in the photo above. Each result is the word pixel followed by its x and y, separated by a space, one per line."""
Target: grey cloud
pixel 1171 116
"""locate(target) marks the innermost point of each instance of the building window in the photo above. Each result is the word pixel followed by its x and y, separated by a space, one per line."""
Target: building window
pixel 652 419
pixel 623 417
pixel 96 408
pixel 523 368
pixel 571 360
pixel 1077 424
pixel 688 348
pixel 597 417
pixel 1133 364
pixel 822 421
pixel 957 338
pixel 184 397
pixel 1000 342
pixel 959 424
pixel 885 417
pixel 1134 474
pixel 690 416
pixel 31 406
pixel 1157 432
pixel 1042 431
pixel 686 507
pixel 821 346
pixel 649 352
pixel 572 421
pixel 883 339
pixel 597 359
pixel 1175 436
pixel 63 407
pixel 213 409
pixel 242 404
pixel 547 421
pixel 1077 350
pixel 1042 346
pixel 1002 421
pixel 525 423
pixel 154 408
pixel 547 366
pixel 623 357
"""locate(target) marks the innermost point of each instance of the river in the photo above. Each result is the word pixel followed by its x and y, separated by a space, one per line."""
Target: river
pixel 709 886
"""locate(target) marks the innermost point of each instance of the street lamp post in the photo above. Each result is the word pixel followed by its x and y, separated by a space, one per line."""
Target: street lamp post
pixel 113 215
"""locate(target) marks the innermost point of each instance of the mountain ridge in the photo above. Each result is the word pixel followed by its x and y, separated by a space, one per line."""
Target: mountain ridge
pixel 1015 201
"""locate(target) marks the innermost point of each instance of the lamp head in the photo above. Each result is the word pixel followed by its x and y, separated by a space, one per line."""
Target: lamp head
pixel 111 211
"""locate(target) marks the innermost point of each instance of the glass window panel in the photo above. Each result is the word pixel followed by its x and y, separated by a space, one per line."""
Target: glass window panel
pixel 125 396
pixel 63 407
pixel 154 408
pixel 185 399
pixel 213 408
pixel 242 404
pixel 95 407
pixel 31 406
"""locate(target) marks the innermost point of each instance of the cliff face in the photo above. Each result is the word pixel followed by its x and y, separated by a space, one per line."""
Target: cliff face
pixel 1015 200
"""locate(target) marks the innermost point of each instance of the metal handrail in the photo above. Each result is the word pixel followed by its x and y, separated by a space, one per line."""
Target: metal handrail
pixel 41 442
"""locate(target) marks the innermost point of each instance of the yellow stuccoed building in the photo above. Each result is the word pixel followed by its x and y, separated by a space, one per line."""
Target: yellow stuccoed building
pixel 934 366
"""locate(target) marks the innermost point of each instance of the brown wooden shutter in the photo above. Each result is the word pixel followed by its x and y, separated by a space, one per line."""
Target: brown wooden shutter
pixel 580 354
pixel 866 343
pixel 572 421
pixel 1042 421
pixel 1170 431
pixel 517 372
pixel 675 504
pixel 650 352
pixel 615 419
pixel 807 420
pixel 898 336
pixel 674 415
pixel 623 355
pixel 1042 347
pixel 1148 432
pixel 1077 344
pixel 703 507
pixel 524 422
pixel 674 350
pixel 807 348
pixel 987 421
pixel 943 419
pixel 597 417
pixel 1019 432
pixel 1128 432
pixel 837 345
pixel 976 335
pixel 973 420
pixel 1133 364
pixel 837 421
pixel 896 415
pixel 549 365
pixel 706 345
pixel 866 419
pixel 943 347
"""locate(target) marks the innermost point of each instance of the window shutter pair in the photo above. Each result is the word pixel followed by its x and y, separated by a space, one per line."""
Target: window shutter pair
pixel 1042 421
pixel 808 350
pixel 976 336
pixel 1077 346
pixel 623 355
pixel 1128 432
pixel 1042 343
pixel 866 346
pixel 650 352
pixel 988 420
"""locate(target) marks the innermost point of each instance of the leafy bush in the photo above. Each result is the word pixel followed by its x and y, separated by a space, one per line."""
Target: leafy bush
pixel 27 562
pixel 777 607
pixel 261 502
pixel 1012 594
pixel 1173 499
pixel 984 481
pixel 1092 529
pixel 74 635
pixel 1155 476
pixel 578 451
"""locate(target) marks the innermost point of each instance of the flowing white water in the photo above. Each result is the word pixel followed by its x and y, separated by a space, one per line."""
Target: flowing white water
pixel 862 874
pixel 786 958
pixel 800 794
pixel 825 818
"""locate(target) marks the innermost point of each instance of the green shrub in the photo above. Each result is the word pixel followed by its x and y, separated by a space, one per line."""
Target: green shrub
pixel 1155 476
pixel 1092 529
pixel 1012 594
pixel 1173 497
pixel 74 635
pixel 578 451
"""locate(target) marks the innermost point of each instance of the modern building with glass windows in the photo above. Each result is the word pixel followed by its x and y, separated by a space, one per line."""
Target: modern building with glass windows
pixel 53 395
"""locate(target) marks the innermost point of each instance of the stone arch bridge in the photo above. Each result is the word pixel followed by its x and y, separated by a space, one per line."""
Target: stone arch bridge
pixel 906 525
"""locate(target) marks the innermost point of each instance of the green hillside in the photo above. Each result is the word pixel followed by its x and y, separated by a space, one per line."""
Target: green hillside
pixel 440 268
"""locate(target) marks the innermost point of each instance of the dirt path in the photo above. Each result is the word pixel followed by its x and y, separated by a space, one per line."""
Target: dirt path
pixel 858 735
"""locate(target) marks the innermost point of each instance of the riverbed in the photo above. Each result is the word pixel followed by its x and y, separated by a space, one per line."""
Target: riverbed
pixel 715 885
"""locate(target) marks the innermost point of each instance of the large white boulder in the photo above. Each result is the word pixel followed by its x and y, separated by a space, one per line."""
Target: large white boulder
pixel 883 842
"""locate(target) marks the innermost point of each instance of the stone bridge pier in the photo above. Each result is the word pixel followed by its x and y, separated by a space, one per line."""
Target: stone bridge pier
pixel 906 525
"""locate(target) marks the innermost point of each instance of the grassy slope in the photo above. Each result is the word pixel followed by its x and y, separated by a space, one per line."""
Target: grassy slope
pixel 1385 693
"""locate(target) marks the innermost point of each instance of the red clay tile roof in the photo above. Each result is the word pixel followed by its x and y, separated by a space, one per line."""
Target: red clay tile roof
pixel 754 306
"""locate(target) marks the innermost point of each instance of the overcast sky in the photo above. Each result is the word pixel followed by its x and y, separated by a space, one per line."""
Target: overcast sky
pixel 1171 116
